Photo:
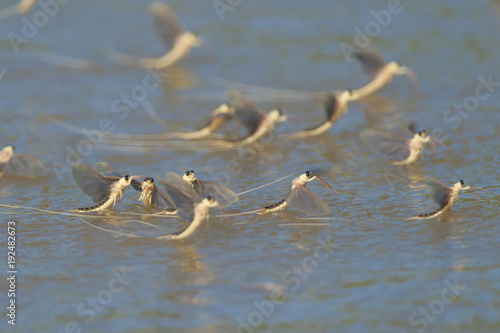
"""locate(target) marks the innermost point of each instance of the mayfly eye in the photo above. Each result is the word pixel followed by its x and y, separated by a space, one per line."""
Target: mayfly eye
pixel 350 91
pixel 462 182
pixel 152 180
pixel 308 173
pixel 126 177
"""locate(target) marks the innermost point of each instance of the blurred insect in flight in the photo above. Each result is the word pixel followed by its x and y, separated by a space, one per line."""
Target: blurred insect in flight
pixel 22 165
pixel 445 196
pixel 399 151
pixel 191 207
pixel 301 198
pixel 179 42
pixel 104 190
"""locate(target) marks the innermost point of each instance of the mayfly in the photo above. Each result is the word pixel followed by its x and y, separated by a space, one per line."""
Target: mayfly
pixel 399 151
pixel 335 106
pixel 445 196
pixel 302 198
pixel 23 165
pixel 191 207
pixel 380 71
pixel 223 195
pixel 104 190
pixel 22 7
pixel 179 42
pixel 217 119
pixel 152 197
pixel 254 119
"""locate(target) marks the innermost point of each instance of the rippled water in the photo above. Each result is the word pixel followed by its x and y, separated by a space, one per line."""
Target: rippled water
pixel 364 269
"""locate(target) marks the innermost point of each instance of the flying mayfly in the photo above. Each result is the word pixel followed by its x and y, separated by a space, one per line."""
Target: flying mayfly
pixel 256 122
pixel 104 190
pixel 22 165
pixel 178 41
pixel 217 119
pixel 399 151
pixel 22 7
pixel 380 71
pixel 445 196
pixel 301 198
pixel 335 105
pixel 191 207
pixel 152 197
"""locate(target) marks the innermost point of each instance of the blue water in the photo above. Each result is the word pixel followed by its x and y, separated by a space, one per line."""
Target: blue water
pixel 364 269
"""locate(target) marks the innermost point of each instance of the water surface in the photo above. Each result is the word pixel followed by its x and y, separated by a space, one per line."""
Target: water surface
pixel 366 269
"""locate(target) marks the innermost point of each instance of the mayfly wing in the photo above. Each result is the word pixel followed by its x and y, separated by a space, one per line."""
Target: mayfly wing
pixel 302 199
pixel 166 23
pixel 137 185
pixel 23 165
pixel 105 170
pixel 371 61
pixel 161 200
pixel 439 192
pixel 177 181
pixel 412 126
pixel 249 114
pixel 91 183
pixel 223 195
pixel 331 105
pixel 394 148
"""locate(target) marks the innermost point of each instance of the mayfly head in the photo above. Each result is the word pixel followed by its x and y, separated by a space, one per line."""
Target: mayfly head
pixel 189 176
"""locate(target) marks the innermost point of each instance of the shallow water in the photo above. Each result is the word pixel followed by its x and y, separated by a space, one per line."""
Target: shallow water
pixel 363 269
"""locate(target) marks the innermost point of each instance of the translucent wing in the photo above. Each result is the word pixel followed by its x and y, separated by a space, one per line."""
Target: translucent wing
pixel 371 61
pixel 23 165
pixel 161 200
pixel 302 199
pixel 412 126
pixel 331 105
pixel 91 183
pixel 439 192
pixel 105 170
pixel 181 194
pixel 223 195
pixel 165 22
pixel 249 114
pixel 395 148
pixel 176 181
